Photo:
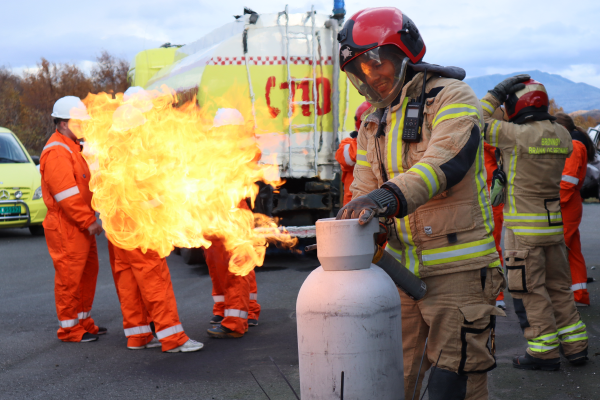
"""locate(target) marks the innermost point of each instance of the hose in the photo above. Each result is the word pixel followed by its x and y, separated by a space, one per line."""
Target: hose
pixel 402 277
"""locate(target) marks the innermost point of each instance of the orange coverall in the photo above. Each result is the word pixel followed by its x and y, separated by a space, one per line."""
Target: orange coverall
pixel 144 288
pixel 490 166
pixel 346 156
pixel 235 296
pixel 572 211
pixel 66 193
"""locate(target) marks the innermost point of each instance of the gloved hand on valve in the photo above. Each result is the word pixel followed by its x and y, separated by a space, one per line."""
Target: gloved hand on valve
pixel 509 86
pixel 380 202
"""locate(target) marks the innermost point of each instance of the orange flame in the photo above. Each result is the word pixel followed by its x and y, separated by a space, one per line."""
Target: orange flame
pixel 164 176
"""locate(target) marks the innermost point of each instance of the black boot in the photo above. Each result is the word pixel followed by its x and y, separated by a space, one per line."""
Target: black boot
pixel 446 385
pixel 578 358
pixel 531 363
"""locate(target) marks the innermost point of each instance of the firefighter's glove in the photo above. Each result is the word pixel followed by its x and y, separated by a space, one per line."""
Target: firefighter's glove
pixel 509 86
pixel 380 202
pixel 497 190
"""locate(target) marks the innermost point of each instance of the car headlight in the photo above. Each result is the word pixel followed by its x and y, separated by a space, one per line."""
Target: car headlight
pixel 37 194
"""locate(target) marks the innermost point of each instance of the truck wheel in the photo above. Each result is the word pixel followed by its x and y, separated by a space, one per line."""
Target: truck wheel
pixel 192 256
pixel 36 230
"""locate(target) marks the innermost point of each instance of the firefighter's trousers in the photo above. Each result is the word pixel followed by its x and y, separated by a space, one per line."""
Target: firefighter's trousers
pixel 572 212
pixel 498 213
pixel 75 258
pixel 539 281
pixel 235 296
pixel 146 295
pixel 457 318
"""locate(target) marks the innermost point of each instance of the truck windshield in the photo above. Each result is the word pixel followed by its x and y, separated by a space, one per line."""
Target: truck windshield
pixel 10 151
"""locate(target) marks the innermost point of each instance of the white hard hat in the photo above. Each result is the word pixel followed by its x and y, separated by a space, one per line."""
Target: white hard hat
pixel 70 107
pixel 131 91
pixel 228 116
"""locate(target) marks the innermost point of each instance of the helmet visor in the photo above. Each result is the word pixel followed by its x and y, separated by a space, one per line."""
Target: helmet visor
pixel 378 74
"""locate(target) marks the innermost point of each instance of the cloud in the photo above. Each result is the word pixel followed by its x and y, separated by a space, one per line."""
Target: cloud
pixel 478 36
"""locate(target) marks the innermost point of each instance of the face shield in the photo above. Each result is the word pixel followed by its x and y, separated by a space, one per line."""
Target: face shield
pixel 379 74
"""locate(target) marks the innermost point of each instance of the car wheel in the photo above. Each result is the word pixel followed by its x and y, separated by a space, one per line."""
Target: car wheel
pixel 36 230
pixel 192 256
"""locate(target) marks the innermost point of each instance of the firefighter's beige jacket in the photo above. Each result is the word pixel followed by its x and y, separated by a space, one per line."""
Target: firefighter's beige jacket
pixel 533 158
pixel 446 223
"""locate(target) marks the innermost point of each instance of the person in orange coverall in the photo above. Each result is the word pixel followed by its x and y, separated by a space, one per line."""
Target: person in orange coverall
pixel 491 165
pixel 571 206
pixel 236 306
pixel 144 288
pixel 346 153
pixel 70 224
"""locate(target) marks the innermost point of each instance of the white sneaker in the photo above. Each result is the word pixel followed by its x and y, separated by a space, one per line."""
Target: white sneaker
pixel 150 345
pixel 501 304
pixel 187 347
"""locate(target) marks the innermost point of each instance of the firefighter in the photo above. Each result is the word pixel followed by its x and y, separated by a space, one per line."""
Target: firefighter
pixel 534 149
pixel 420 164
pixel 145 291
pixel 70 224
pixel 346 153
pixel 236 299
pixel 571 205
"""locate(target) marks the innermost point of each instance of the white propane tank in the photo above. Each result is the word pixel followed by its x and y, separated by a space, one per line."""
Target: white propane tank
pixel 348 315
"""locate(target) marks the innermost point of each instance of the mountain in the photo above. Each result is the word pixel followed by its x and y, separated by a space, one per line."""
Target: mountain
pixel 595 114
pixel 569 95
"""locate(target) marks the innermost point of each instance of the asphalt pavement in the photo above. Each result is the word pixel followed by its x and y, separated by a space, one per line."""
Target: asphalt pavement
pixel 34 364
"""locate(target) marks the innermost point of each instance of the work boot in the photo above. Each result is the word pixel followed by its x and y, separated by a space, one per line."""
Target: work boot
pixel 252 322
pixel 102 331
pixel 216 319
pixel 187 347
pixel 88 337
pixel 150 345
pixel 577 358
pixel 222 332
pixel 531 363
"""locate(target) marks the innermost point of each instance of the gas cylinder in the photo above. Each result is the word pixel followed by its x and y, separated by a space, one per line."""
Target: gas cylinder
pixel 348 318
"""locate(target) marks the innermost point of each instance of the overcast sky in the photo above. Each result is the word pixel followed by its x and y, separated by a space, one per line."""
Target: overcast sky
pixel 483 37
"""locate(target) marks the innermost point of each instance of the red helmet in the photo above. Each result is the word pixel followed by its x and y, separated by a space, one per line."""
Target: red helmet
pixel 377 37
pixel 359 112
pixel 529 104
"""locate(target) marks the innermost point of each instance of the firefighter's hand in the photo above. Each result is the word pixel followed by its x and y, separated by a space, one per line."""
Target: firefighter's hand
pixel 379 202
pixel 95 229
pixel 509 86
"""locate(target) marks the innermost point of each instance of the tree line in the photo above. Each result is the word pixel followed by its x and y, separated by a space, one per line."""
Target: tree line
pixel 26 101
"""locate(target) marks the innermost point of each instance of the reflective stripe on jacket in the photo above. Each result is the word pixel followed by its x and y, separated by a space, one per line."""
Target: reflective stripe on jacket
pixel 447 223
pixel 533 155
pixel 65 183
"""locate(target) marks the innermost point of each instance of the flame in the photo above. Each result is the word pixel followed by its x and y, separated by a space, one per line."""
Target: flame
pixel 164 176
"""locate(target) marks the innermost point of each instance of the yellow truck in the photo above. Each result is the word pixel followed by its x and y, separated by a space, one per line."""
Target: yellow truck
pixel 287 68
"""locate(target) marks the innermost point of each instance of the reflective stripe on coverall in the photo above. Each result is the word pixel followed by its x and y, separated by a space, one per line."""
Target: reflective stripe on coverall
pixel 346 156
pixel 66 193
pixel 572 211
pixel 145 291
pixel 445 232
pixel 537 267
pixel 490 166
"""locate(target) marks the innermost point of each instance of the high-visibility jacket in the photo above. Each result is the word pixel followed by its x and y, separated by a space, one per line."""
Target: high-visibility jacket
pixel 445 218
pixel 65 183
pixel 533 155
pixel 346 156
